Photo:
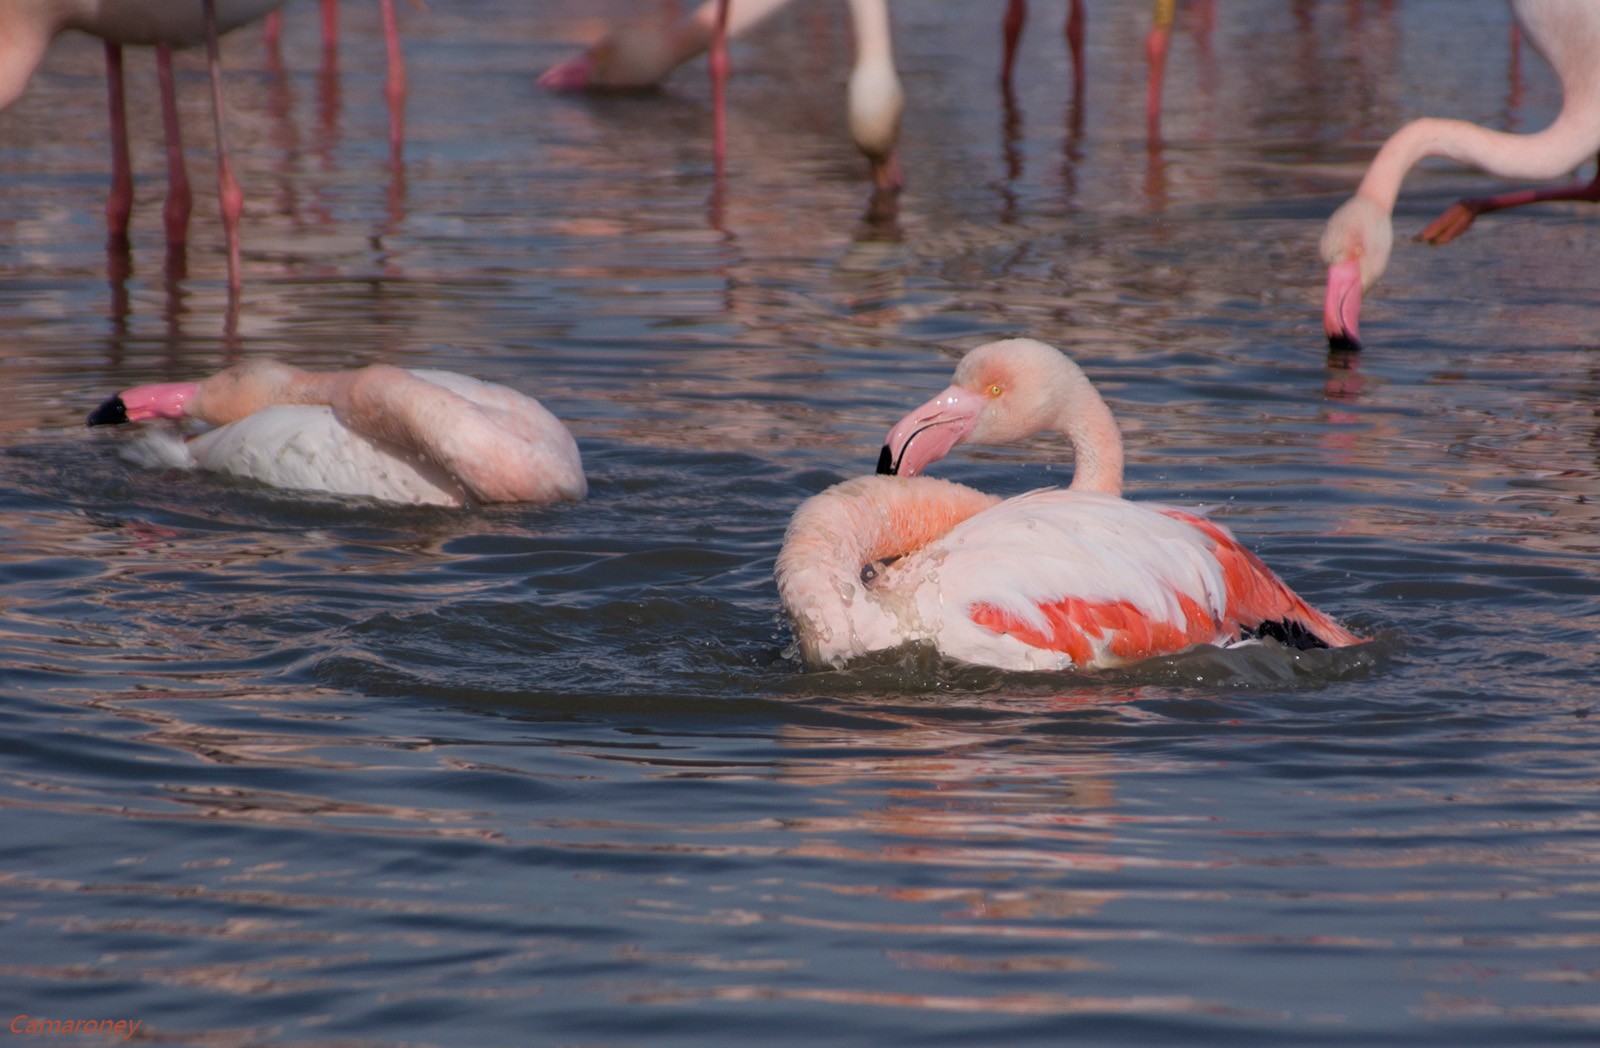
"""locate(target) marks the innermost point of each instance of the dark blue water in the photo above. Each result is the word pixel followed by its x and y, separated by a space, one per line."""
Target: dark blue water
pixel 280 770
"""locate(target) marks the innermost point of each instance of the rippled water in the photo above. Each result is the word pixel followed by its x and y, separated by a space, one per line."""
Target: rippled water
pixel 281 770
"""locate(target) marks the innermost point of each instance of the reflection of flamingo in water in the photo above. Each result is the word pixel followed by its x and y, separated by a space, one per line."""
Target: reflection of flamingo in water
pixel 1358 237
pixel 26 30
pixel 421 437
pixel 641 55
pixel 1047 580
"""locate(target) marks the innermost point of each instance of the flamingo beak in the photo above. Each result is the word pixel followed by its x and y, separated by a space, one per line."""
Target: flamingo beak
pixel 163 400
pixel 571 75
pixel 928 433
pixel 1341 308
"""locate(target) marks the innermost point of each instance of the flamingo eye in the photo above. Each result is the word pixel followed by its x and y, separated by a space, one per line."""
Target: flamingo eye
pixel 995 389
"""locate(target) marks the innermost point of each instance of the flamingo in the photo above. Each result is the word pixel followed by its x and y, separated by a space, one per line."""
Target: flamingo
pixel 28 26
pixel 641 55
pixel 1360 234
pixel 418 437
pixel 1049 580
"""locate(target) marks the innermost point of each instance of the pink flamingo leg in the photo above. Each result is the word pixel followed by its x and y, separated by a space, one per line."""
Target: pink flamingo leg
pixel 1460 215
pixel 119 204
pixel 179 196
pixel 395 85
pixel 1011 29
pixel 1155 49
pixel 228 192
pixel 1075 34
pixel 720 66
pixel 330 26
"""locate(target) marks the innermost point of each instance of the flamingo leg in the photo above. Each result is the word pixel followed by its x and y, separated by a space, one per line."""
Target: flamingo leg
pixel 1011 29
pixel 119 203
pixel 180 198
pixel 720 66
pixel 330 26
pixel 228 192
pixel 1155 49
pixel 1075 35
pixel 1458 218
pixel 395 85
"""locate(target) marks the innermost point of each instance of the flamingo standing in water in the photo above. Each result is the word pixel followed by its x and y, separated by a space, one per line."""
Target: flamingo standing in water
pixel 641 55
pixel 1359 235
pixel 28 26
pixel 1048 580
pixel 418 437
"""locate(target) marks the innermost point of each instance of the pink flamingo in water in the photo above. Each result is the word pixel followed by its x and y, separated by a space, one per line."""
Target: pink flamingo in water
pixel 1360 234
pixel 417 437
pixel 1052 579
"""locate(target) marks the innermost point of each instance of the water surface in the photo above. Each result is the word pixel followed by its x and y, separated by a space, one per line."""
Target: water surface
pixel 287 770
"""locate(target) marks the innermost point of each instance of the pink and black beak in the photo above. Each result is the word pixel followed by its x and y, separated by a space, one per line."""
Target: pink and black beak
pixel 1341 307
pixel 928 433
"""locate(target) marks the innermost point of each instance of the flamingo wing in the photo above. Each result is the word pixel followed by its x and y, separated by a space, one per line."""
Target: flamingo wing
pixel 305 448
pixel 1058 579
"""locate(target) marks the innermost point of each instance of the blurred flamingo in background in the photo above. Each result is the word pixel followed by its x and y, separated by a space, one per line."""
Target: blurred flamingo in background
pixel 1360 234
pixel 640 55
pixel 28 26
pixel 417 437
pixel 1051 579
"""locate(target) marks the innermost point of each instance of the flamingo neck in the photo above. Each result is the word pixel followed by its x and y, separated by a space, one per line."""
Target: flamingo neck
pixel 839 538
pixel 875 98
pixel 1086 421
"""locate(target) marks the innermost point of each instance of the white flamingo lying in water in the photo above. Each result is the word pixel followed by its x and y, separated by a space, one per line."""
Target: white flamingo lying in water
pixel 420 437
pixel 1358 237
pixel 1047 580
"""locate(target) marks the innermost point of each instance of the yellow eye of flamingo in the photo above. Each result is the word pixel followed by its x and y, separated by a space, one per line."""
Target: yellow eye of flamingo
pixel 995 389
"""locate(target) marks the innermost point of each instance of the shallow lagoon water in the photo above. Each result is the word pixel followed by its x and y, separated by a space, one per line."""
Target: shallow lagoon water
pixel 286 770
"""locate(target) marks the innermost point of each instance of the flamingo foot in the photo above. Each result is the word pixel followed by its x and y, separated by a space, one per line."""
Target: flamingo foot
pixel 1457 219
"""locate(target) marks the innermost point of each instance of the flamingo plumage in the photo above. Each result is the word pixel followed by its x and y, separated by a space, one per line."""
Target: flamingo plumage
pixel 1359 236
pixel 419 437
pixel 1048 580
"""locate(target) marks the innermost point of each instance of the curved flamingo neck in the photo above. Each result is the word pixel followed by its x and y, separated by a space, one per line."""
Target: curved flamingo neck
pixel 1567 33
pixel 1087 422
pixel 836 534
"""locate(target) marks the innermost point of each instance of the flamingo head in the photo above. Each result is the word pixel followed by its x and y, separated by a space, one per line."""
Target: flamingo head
pixel 141 403
pixel 1002 392
pixel 1355 247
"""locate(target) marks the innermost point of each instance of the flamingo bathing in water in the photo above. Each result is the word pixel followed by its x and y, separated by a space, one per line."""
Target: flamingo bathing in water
pixel 1358 237
pixel 1047 580
pixel 419 437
